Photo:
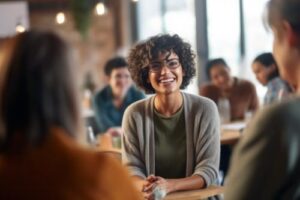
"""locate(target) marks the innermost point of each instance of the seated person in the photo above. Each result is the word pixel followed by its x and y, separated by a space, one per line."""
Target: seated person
pixel 266 70
pixel 240 93
pixel 40 123
pixel 171 140
pixel 266 162
pixel 111 102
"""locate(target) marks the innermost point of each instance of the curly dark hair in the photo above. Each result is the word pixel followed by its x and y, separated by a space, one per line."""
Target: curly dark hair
pixel 114 63
pixel 146 51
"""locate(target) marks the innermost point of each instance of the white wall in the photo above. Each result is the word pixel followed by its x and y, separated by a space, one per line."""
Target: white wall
pixel 12 13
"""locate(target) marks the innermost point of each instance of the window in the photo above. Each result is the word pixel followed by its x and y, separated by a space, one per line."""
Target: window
pixel 224 31
pixel 168 16
pixel 224 35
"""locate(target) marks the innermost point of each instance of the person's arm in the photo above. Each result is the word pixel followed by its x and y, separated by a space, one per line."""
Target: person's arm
pixel 115 181
pixel 139 182
pixel 258 164
pixel 207 145
pixel 189 183
pixel 140 95
pixel 254 103
pixel 101 116
pixel 157 184
pixel 210 92
pixel 131 152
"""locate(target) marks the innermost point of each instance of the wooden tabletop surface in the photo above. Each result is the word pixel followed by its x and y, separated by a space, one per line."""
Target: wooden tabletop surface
pixel 227 137
pixel 230 137
pixel 196 194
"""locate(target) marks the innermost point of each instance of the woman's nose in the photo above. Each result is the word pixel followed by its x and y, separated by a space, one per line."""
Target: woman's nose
pixel 164 69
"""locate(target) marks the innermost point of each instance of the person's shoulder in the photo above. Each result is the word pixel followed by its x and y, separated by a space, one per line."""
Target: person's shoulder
pixel 244 83
pixel 138 106
pixel 197 98
pixel 136 92
pixel 108 163
pixel 284 113
pixel 88 162
pixel 287 107
pixel 209 90
pixel 107 173
pixel 277 82
pixel 275 124
pixel 208 86
pixel 246 86
pixel 111 174
pixel 103 94
pixel 135 89
pixel 198 102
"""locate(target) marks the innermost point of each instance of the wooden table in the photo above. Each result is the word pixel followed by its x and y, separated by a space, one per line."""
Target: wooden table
pixel 230 137
pixel 232 132
pixel 196 194
pixel 227 137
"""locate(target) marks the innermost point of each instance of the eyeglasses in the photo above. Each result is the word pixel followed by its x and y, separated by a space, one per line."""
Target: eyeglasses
pixel 157 66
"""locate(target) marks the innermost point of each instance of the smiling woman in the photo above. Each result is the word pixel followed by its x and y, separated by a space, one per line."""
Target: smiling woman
pixel 169 120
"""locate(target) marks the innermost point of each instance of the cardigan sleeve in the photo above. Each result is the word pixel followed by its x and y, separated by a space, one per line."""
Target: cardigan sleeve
pixel 131 147
pixel 207 144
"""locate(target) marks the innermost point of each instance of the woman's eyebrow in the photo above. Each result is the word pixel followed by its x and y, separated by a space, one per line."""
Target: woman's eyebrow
pixel 166 59
pixel 171 59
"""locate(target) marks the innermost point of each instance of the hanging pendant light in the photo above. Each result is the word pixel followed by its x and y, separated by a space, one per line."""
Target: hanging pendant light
pixel 100 8
pixel 20 28
pixel 60 18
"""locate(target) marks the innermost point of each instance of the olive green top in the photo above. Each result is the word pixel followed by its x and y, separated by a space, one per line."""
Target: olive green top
pixel 170 145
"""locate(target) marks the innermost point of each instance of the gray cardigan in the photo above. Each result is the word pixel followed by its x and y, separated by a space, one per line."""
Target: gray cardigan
pixel 203 137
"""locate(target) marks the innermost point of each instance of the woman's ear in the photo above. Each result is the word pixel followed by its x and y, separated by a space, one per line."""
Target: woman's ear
pixel 292 36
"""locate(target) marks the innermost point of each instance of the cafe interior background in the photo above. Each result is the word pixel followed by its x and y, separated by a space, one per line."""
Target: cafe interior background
pixel 101 29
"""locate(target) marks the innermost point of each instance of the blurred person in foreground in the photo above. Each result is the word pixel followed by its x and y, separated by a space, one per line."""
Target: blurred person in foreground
pixel 266 163
pixel 111 102
pixel 240 93
pixel 171 141
pixel 265 68
pixel 40 123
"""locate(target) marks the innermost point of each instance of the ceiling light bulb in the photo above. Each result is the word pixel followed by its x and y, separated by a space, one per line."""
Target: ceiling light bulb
pixel 60 18
pixel 20 28
pixel 100 8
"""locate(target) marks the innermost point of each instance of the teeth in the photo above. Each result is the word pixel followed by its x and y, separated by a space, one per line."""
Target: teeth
pixel 166 80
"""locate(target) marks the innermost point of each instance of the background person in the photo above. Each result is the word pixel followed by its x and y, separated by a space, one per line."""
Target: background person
pixel 266 162
pixel 169 120
pixel 266 70
pixel 40 123
pixel 234 97
pixel 111 102
pixel 240 93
